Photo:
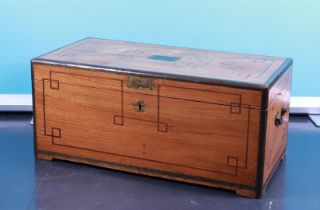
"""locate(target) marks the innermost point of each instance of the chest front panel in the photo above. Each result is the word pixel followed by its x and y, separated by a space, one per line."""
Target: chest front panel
pixel 204 131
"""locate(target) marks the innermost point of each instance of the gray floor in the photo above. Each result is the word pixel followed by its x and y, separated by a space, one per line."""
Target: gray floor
pixel 26 183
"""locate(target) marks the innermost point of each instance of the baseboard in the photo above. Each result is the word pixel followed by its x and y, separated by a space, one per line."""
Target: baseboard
pixel 15 102
pixel 305 105
pixel 23 103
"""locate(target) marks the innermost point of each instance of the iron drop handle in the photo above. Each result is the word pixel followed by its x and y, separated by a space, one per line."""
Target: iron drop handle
pixel 279 117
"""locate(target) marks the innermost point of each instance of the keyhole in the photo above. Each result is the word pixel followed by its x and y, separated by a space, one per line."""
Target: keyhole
pixel 139 106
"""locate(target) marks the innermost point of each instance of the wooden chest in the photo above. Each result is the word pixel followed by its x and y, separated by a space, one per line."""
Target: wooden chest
pixel 206 117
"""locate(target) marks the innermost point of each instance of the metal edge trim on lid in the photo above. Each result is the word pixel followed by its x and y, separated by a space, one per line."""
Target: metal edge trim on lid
pixel 178 77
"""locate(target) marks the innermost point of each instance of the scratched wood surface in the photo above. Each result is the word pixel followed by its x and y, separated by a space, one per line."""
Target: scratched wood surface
pixel 249 69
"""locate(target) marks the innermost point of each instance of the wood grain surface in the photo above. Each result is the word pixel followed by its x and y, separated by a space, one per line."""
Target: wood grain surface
pixel 203 134
pixel 277 136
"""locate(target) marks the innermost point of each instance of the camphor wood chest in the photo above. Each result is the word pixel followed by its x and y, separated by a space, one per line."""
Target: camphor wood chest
pixel 206 117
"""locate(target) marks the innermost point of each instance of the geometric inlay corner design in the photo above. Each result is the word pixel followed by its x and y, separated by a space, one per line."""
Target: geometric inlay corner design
pixel 54 84
pixel 235 108
pixel 233 162
pixel 56 132
pixel 118 120
pixel 162 127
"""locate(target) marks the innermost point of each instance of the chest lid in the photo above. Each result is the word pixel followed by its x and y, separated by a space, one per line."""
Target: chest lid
pixel 194 65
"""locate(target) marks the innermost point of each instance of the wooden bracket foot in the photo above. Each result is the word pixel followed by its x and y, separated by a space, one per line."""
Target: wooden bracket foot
pixel 44 157
pixel 246 193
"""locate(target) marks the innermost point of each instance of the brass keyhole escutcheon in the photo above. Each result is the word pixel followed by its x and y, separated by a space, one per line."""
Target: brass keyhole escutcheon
pixel 139 106
pixel 140 83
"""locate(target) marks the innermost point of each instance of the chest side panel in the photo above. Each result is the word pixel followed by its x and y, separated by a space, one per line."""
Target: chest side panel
pixel 277 124
pixel 203 131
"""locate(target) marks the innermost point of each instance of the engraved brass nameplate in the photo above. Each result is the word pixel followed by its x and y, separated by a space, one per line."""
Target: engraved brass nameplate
pixel 140 83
